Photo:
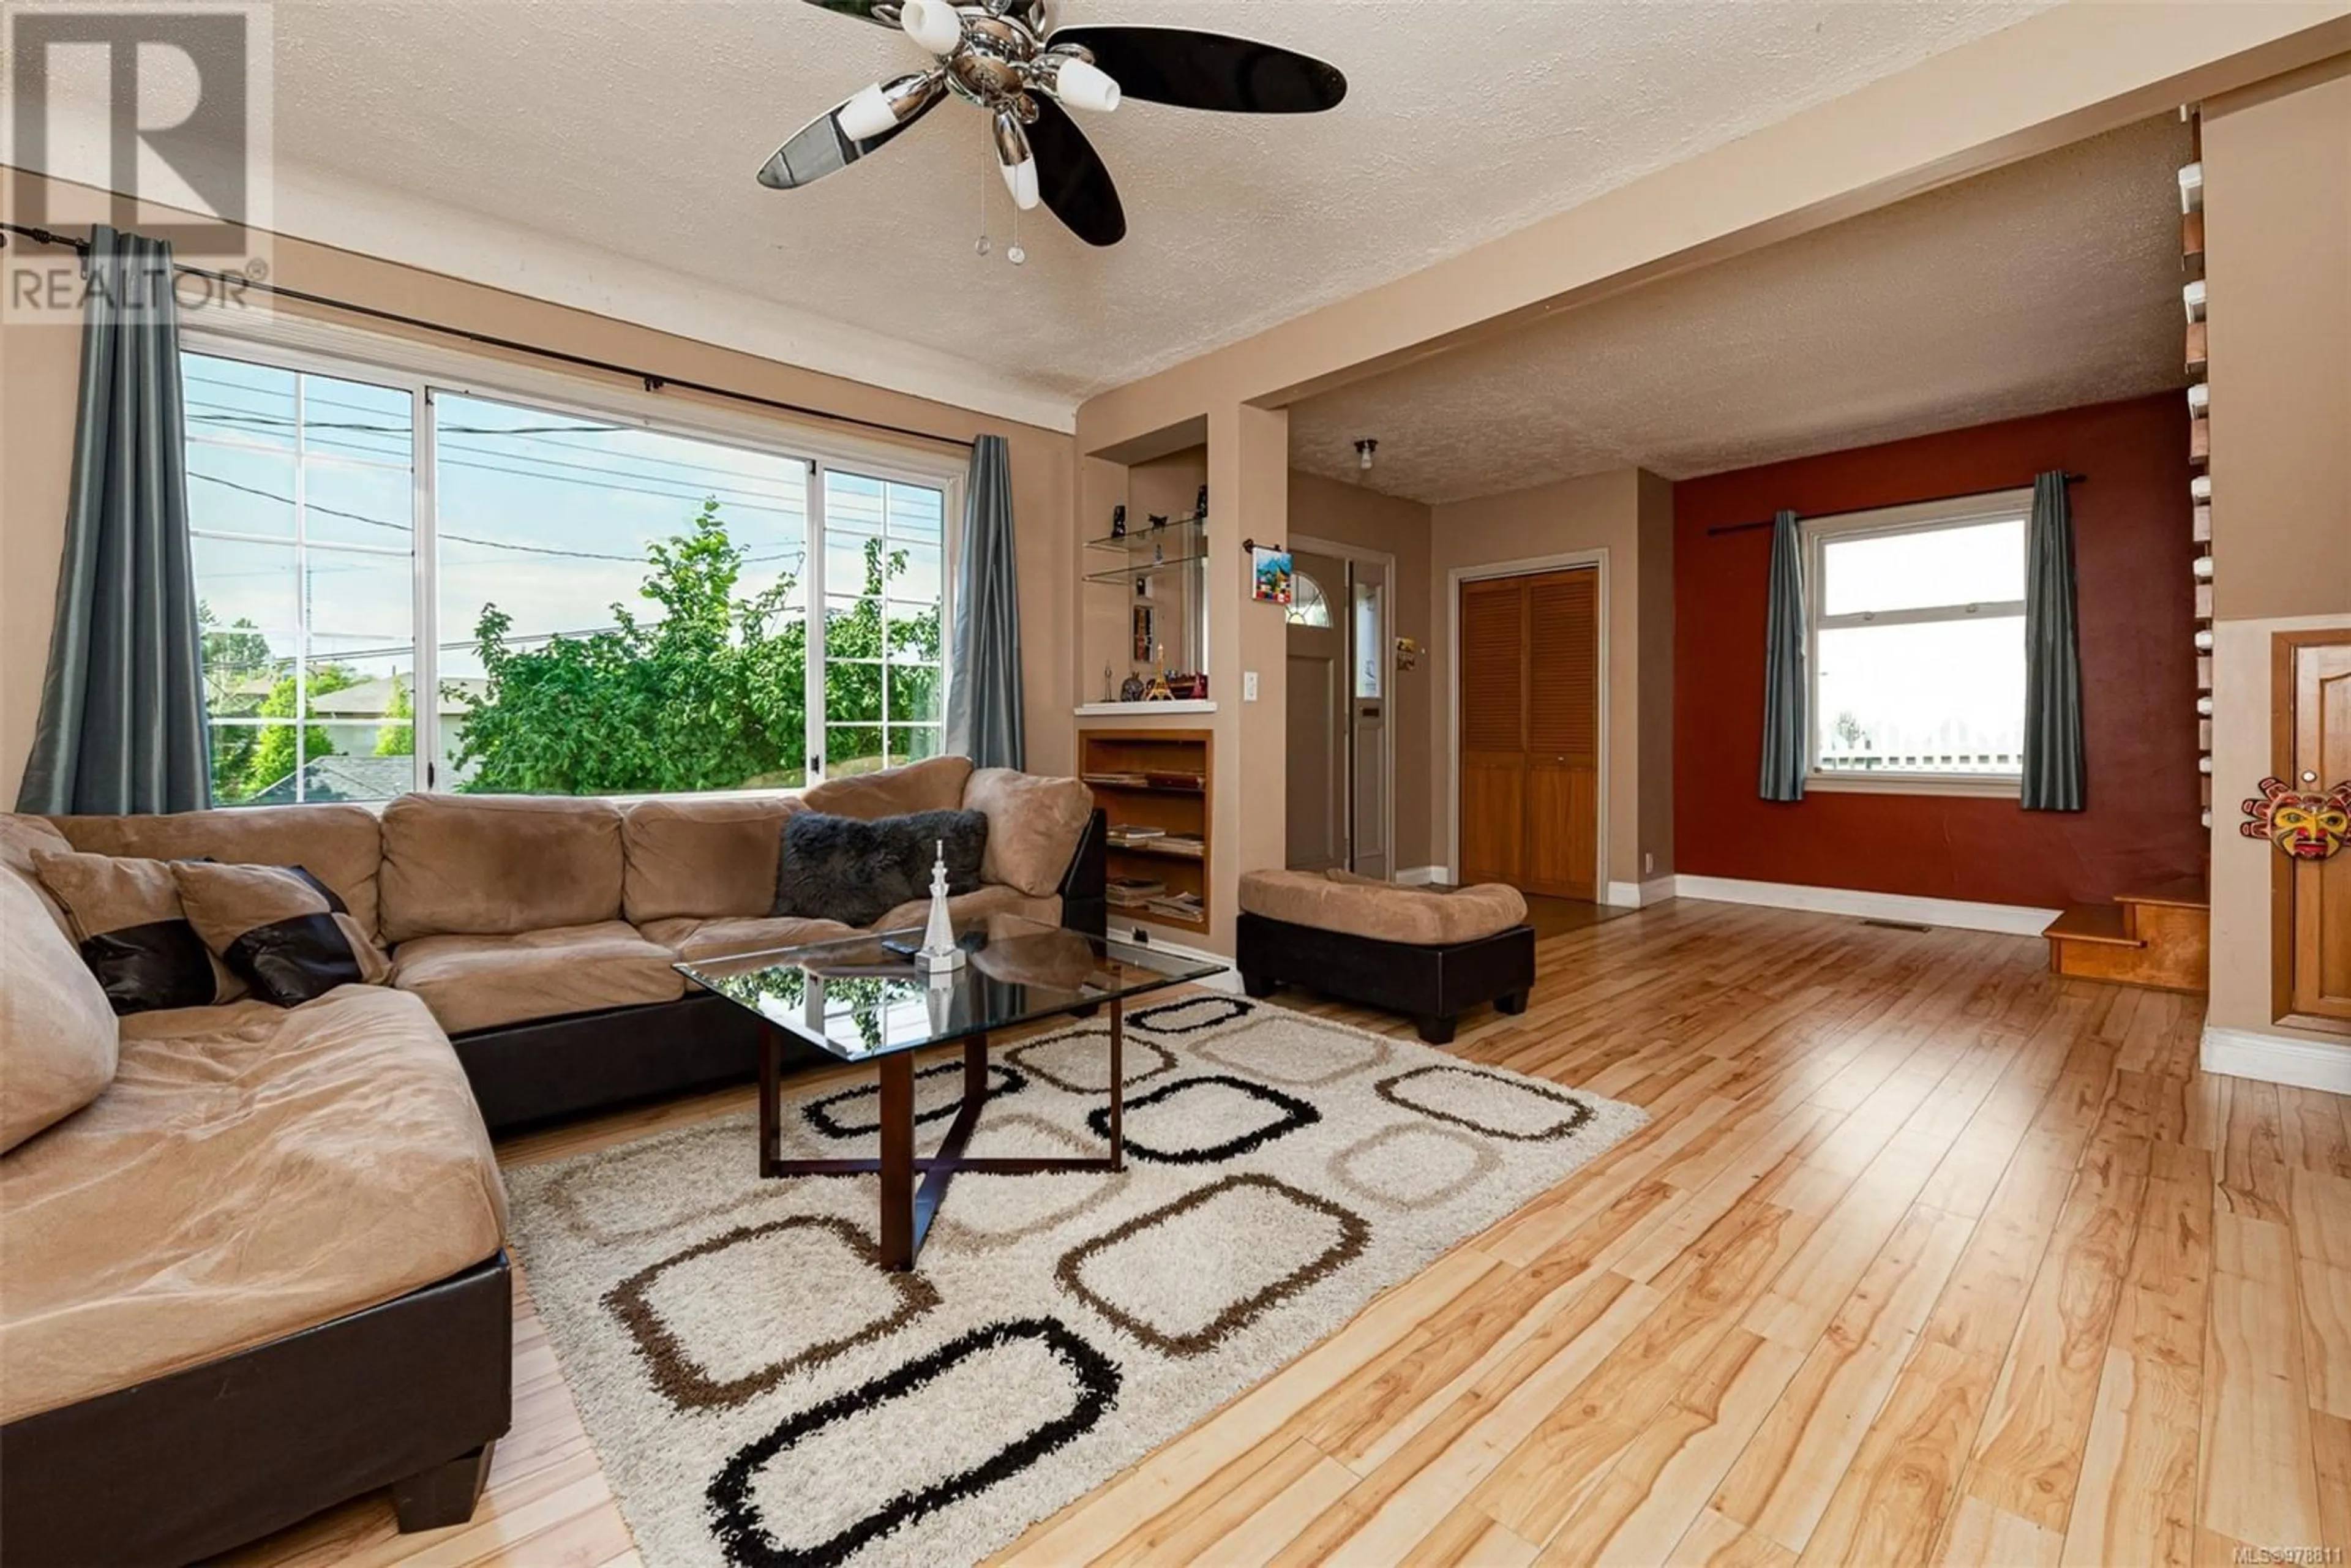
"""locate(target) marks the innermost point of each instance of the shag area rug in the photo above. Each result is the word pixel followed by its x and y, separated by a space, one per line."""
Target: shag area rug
pixel 760 1392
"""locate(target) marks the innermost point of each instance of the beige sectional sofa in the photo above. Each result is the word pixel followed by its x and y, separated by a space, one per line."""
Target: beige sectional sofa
pixel 262 1270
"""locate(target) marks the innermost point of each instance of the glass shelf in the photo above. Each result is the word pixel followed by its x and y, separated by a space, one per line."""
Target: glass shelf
pixel 1139 533
pixel 1144 568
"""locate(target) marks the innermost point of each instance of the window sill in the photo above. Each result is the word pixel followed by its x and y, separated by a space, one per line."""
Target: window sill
pixel 1992 786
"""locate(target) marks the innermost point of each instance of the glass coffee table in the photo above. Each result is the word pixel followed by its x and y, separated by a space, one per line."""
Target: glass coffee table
pixel 859 999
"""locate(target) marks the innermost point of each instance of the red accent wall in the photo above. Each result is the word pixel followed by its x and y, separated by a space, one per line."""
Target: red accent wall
pixel 2137 603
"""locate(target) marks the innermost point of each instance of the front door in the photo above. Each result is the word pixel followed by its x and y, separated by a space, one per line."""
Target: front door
pixel 1367 660
pixel 1318 697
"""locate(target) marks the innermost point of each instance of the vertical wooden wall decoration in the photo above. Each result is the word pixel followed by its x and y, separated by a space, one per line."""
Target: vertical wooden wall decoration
pixel 1530 732
pixel 2200 441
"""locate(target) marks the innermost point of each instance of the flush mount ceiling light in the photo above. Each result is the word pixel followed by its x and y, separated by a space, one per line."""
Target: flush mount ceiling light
pixel 1000 56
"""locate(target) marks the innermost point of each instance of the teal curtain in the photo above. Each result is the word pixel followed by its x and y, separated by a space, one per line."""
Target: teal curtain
pixel 2054 773
pixel 984 720
pixel 122 726
pixel 1787 733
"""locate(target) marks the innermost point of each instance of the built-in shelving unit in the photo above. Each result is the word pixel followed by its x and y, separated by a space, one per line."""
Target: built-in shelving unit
pixel 1156 781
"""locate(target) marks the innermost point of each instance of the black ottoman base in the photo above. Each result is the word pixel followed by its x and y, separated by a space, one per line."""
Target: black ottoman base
pixel 1434 986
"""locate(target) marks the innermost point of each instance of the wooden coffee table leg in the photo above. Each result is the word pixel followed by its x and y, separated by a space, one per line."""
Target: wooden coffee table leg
pixel 1117 1082
pixel 770 1131
pixel 898 1161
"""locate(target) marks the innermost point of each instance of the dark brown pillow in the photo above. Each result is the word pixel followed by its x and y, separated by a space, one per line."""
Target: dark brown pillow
pixel 280 929
pixel 838 868
pixel 133 933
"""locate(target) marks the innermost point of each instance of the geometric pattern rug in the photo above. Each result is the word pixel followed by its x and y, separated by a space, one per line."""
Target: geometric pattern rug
pixel 760 1392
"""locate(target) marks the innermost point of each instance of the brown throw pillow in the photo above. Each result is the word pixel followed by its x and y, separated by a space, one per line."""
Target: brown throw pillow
pixel 132 933
pixel 1034 824
pixel 58 1036
pixel 280 929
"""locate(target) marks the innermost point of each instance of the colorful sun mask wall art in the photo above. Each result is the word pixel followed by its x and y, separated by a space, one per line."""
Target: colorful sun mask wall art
pixel 2302 823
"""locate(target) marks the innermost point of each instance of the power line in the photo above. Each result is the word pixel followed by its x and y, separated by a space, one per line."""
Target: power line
pixel 638 559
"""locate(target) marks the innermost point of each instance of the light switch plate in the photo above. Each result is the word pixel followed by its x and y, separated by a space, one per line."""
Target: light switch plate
pixel 1248 685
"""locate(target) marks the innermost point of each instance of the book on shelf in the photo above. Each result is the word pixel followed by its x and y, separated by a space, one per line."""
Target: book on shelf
pixel 1179 906
pixel 1116 778
pixel 1182 844
pixel 1133 891
pixel 1175 780
pixel 1133 833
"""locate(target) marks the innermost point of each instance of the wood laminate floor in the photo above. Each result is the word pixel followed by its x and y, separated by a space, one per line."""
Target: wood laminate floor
pixel 1927 1256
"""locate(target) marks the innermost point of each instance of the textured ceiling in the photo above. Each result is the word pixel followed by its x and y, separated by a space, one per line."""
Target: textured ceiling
pixel 2046 285
pixel 632 131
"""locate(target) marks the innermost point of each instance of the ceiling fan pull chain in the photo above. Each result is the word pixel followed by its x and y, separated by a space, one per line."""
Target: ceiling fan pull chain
pixel 1013 253
pixel 987 166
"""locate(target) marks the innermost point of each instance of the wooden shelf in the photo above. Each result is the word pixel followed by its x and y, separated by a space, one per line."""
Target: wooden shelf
pixel 1173 809
pixel 1158 854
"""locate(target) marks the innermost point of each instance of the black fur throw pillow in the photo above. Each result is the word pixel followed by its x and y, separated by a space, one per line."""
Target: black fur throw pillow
pixel 838 868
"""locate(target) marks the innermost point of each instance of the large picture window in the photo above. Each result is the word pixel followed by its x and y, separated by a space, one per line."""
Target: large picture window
pixel 407 584
pixel 1917 640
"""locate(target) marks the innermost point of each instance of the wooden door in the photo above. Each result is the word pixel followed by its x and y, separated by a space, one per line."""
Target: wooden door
pixel 1367 766
pixel 1317 719
pixel 1493 740
pixel 2315 950
pixel 1529 735
pixel 1562 734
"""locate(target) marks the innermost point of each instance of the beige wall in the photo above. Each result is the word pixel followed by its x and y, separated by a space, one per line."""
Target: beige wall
pixel 1628 515
pixel 39 376
pixel 2278 263
pixel 1323 509
pixel 2277 203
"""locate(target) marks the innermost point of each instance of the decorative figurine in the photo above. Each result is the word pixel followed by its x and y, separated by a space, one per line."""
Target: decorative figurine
pixel 1157 522
pixel 1118 521
pixel 1200 509
pixel 1131 690
pixel 939 955
pixel 1110 684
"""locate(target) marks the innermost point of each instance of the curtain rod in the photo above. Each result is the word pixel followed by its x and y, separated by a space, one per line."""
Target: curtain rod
pixel 1921 501
pixel 652 381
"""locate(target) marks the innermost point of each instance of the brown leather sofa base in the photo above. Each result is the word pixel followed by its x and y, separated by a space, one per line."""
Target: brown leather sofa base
pixel 410 1394
pixel 1435 984
pixel 551 1068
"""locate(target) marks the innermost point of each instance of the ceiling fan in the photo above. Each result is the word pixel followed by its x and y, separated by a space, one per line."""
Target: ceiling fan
pixel 1002 55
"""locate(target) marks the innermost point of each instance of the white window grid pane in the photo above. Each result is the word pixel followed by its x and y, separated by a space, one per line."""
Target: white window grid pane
pixel 310 412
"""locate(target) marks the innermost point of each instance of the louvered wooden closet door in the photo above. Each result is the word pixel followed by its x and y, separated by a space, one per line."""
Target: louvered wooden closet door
pixel 1493 730
pixel 1562 734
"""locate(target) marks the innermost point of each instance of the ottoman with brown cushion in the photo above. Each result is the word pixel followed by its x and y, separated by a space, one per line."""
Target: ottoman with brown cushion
pixel 1428 952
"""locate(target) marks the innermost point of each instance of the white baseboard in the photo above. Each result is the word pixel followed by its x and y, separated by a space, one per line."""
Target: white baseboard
pixel 2011 919
pixel 2277 1058
pixel 1657 889
pixel 1621 894
pixel 1422 875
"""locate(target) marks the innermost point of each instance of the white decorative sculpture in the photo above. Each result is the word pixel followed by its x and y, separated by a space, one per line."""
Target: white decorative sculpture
pixel 939 955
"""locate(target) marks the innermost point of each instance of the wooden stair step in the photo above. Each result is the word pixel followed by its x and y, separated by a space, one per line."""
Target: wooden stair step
pixel 2185 893
pixel 2103 924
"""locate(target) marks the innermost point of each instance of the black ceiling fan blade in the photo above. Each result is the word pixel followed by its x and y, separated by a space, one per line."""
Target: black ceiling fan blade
pixel 1209 70
pixel 880 13
pixel 820 148
pixel 1071 178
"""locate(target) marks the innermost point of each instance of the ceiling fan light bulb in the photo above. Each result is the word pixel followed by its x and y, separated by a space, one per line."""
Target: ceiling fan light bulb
pixel 1021 179
pixel 867 115
pixel 932 24
pixel 1084 85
